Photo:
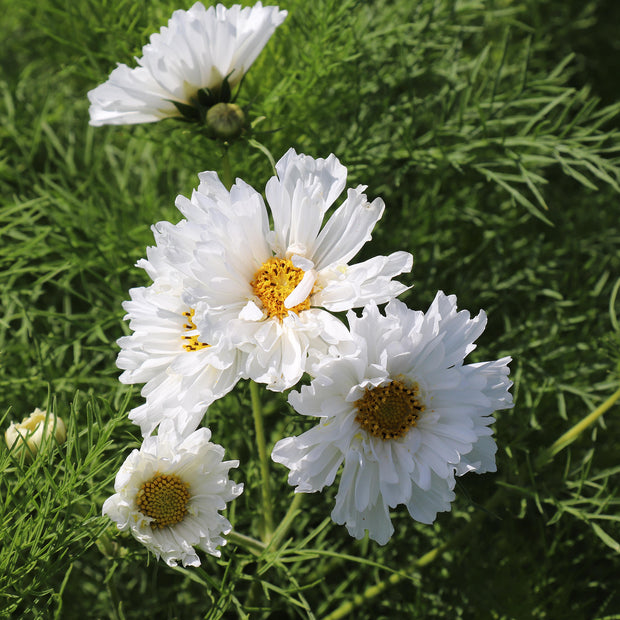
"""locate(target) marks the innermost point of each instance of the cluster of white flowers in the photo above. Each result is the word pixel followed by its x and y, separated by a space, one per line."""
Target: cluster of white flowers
pixel 169 492
pixel 245 291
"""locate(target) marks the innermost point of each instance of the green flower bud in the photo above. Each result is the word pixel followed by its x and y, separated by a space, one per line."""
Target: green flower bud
pixel 226 120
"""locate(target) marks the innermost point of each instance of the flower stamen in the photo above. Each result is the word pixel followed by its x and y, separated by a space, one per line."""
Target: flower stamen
pixel 274 282
pixel 389 411
pixel 163 498
pixel 192 344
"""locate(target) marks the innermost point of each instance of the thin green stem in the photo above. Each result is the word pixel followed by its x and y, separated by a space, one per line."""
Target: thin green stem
pixel 287 521
pixel 261 444
pixel 573 433
pixel 359 599
pixel 251 544
pixel 117 604
pixel 346 608
pixel 373 591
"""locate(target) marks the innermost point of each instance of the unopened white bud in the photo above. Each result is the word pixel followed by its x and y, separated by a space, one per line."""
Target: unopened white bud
pixel 34 431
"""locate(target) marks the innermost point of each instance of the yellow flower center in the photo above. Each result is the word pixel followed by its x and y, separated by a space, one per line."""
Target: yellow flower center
pixel 389 411
pixel 274 282
pixel 163 498
pixel 191 342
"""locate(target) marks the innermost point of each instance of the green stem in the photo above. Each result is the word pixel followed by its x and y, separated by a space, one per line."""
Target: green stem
pixel 227 177
pixel 251 544
pixel 573 433
pixel 346 608
pixel 117 604
pixel 287 521
pixel 257 412
pixel 359 599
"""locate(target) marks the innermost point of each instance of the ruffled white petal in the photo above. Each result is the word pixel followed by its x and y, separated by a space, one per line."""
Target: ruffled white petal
pixel 357 505
pixel 129 96
pixel 348 229
pixel 301 291
pixel 424 504
pixel 358 285
pixel 299 197
pixel 315 456
pixel 148 417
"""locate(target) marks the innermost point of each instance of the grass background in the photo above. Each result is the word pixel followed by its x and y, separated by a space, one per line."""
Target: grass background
pixel 490 129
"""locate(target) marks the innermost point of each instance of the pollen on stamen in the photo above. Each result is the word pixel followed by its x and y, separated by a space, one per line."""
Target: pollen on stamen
pixel 389 411
pixel 191 342
pixel 274 282
pixel 164 498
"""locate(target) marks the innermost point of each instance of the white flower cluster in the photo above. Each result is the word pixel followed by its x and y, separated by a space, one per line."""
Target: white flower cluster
pixel 169 492
pixel 243 289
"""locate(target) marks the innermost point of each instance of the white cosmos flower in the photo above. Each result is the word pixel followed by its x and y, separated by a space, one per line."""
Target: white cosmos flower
pixel 404 415
pixel 273 291
pixel 198 49
pixel 183 374
pixel 169 494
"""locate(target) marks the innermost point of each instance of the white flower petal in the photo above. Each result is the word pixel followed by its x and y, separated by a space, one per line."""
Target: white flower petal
pixel 356 286
pixel 373 518
pixel 301 291
pixel 321 459
pixel 176 378
pixel 348 229
pixel 302 263
pixel 251 312
pixel 424 504
pixel 299 197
